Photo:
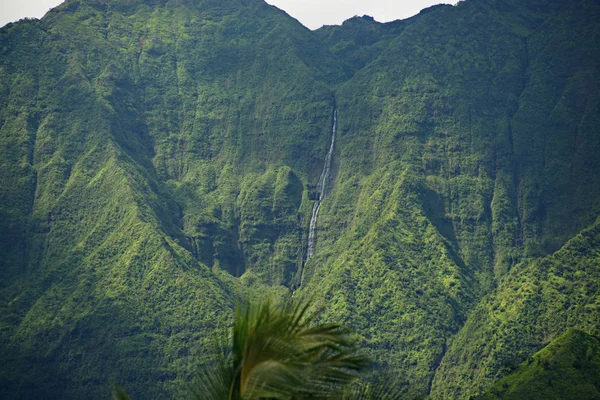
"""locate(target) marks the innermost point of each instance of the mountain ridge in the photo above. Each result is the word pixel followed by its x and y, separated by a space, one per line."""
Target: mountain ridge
pixel 550 373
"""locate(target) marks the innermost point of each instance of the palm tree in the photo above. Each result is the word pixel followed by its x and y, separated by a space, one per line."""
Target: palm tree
pixel 278 352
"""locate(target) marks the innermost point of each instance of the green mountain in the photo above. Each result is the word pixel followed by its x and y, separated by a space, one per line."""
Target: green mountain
pixel 536 303
pixel 159 157
pixel 569 367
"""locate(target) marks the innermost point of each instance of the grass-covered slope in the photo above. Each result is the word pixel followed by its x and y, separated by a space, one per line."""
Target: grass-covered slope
pixel 568 368
pixel 535 303
pixel 395 279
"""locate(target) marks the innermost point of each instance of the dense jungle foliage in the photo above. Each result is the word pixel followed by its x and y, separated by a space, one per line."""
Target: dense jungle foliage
pixel 159 158
pixel 568 368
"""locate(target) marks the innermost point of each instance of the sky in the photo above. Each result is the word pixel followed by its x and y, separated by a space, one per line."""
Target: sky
pixel 311 13
pixel 316 13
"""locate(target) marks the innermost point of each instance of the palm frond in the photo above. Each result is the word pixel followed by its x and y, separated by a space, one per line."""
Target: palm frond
pixel 118 393
pixel 216 382
pixel 213 384
pixel 384 388
pixel 278 352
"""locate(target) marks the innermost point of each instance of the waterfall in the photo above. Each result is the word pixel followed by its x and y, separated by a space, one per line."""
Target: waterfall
pixel 321 191
pixel 321 188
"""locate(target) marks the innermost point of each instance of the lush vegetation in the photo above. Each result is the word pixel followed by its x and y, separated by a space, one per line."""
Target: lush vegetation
pixel 536 303
pixel 159 156
pixel 568 368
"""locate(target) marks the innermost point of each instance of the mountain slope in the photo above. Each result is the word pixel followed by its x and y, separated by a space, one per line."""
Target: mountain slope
pixel 535 303
pixel 435 200
pixel 567 368
pixel 112 148
pixel 159 156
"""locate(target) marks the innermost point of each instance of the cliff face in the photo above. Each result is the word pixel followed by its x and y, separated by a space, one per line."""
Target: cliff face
pixel 159 156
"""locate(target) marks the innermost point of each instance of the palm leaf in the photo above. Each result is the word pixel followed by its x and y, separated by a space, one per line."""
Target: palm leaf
pixel 278 352
pixel 118 393
pixel 384 388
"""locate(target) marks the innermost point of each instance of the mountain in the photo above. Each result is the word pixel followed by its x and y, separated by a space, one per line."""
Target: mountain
pixel 159 157
pixel 569 367
pixel 536 303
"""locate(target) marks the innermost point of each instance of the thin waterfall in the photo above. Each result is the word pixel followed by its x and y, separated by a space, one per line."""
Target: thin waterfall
pixel 321 191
